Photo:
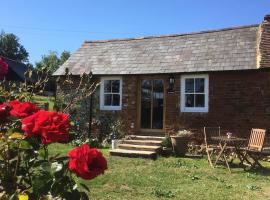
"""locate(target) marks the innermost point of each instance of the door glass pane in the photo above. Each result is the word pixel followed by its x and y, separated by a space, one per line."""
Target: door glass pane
pixel 158 96
pixel 146 95
pixel 199 85
pixel 189 85
pixel 189 100
pixel 199 100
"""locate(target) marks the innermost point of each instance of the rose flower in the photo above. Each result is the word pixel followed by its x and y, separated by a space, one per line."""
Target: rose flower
pixel 87 162
pixel 22 109
pixel 50 126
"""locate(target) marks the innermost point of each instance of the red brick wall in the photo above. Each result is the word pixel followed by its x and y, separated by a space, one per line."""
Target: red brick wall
pixel 264 43
pixel 238 101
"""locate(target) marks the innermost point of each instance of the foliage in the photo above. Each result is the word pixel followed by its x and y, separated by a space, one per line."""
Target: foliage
pixel 166 142
pixel 64 56
pixel 163 193
pixel 116 129
pixel 184 133
pixel 27 169
pixel 52 61
pixel 76 102
pixel 11 48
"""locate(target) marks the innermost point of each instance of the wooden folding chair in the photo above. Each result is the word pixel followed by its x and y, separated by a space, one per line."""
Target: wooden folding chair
pixel 210 145
pixel 254 149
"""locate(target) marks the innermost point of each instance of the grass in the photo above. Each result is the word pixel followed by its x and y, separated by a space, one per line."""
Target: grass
pixel 173 178
pixel 45 99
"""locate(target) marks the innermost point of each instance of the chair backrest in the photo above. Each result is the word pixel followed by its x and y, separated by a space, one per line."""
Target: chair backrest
pixel 210 132
pixel 256 139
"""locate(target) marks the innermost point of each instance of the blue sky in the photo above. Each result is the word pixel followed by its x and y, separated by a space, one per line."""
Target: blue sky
pixel 57 25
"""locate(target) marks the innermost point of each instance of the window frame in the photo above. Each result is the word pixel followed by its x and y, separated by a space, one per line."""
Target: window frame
pixel 183 93
pixel 104 107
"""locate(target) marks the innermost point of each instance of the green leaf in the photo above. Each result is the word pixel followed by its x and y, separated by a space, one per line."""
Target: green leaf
pixel 85 187
pixel 25 145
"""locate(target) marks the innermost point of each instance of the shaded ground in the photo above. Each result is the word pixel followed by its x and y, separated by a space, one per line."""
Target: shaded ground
pixel 174 178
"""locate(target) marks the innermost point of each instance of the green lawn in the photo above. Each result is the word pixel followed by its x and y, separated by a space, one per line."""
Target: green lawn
pixel 44 99
pixel 173 178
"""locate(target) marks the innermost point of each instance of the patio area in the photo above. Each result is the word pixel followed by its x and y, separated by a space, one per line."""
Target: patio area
pixel 175 178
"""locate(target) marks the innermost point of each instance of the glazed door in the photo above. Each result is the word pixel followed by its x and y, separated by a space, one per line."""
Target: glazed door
pixel 152 99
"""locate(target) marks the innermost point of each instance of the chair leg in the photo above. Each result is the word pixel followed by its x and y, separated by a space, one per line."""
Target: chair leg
pixel 228 166
pixel 209 158
pixel 256 161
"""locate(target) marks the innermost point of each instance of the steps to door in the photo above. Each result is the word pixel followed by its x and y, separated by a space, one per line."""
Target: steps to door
pixel 139 146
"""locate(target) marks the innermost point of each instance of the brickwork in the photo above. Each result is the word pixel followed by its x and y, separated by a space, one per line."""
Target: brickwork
pixel 238 101
pixel 264 43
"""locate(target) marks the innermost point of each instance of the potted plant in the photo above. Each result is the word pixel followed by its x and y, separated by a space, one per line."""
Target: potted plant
pixel 166 146
pixel 116 132
pixel 180 142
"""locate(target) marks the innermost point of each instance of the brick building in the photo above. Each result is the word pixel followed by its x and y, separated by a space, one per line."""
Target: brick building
pixel 163 83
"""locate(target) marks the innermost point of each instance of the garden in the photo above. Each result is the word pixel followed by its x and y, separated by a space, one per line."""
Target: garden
pixel 43 156
pixel 174 178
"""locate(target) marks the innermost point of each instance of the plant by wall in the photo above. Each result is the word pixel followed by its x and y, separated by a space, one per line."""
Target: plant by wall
pixel 27 169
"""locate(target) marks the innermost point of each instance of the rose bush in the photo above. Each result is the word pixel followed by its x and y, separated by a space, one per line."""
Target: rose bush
pixel 25 163
pixel 87 162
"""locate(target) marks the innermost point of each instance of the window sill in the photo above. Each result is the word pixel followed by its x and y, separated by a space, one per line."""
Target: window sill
pixel 112 108
pixel 194 110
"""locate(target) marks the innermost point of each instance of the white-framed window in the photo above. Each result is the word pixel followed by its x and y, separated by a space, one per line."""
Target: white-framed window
pixel 194 93
pixel 111 93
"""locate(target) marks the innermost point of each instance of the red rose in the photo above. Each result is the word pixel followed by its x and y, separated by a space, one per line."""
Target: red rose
pixel 4 113
pixel 3 68
pixel 50 126
pixel 87 162
pixel 22 109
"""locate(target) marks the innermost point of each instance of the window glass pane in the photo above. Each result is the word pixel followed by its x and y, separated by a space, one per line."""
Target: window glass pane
pixel 189 100
pixel 116 100
pixel 189 85
pixel 199 100
pixel 107 100
pixel 116 86
pixel 199 85
pixel 107 86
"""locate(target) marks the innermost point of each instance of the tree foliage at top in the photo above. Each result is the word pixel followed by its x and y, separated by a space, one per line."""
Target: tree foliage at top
pixel 51 62
pixel 11 48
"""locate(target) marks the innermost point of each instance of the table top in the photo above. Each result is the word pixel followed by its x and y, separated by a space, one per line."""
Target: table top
pixel 226 139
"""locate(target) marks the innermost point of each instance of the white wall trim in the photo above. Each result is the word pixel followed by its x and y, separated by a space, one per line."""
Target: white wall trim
pixel 182 93
pixel 101 102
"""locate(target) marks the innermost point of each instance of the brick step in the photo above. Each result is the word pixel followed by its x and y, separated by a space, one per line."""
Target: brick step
pixel 133 153
pixel 145 137
pixel 142 142
pixel 139 147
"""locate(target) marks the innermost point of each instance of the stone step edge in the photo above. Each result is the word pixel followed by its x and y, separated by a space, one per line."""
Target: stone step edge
pixel 144 137
pixel 133 153
pixel 139 147
pixel 143 141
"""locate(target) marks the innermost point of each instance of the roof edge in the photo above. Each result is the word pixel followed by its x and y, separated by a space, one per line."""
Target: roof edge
pixel 172 35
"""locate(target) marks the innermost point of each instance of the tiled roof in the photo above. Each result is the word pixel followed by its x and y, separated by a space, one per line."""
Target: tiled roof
pixel 217 50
